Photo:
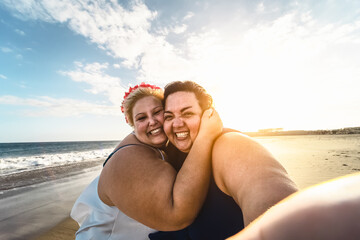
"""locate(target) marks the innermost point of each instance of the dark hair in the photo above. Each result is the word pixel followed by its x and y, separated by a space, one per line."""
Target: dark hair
pixel 204 99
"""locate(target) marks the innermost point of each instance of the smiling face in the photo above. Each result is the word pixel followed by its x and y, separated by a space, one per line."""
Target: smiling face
pixel 148 117
pixel 182 119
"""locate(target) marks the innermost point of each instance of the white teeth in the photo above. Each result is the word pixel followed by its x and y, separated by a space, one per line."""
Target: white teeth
pixel 182 134
pixel 155 131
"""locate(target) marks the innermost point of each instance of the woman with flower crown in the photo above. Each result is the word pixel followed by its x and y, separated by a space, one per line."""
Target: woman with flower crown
pixel 138 190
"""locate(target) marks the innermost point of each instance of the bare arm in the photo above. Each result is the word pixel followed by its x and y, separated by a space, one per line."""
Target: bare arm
pixel 327 211
pixel 247 172
pixel 149 190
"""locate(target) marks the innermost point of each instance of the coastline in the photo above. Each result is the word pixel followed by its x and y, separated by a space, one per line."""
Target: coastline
pixel 272 132
pixel 11 182
pixel 308 159
pixel 33 202
pixel 65 230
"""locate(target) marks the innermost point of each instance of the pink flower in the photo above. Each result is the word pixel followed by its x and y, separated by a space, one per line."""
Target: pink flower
pixel 131 89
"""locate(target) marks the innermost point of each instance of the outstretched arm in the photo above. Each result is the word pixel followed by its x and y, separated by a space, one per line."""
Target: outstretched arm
pixel 149 190
pixel 328 211
pixel 246 171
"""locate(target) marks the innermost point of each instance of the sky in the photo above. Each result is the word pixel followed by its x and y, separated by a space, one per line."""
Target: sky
pixel 65 64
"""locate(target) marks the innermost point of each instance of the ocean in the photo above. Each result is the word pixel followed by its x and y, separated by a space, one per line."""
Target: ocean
pixel 325 156
pixel 19 157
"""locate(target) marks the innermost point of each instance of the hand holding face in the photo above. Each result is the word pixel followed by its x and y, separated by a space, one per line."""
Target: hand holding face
pixel 211 124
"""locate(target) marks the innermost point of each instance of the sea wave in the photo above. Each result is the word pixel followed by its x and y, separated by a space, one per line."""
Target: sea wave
pixel 25 163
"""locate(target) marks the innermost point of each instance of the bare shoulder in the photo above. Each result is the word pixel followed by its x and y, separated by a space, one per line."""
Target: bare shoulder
pixel 136 162
pixel 130 156
pixel 133 155
pixel 240 163
pixel 238 144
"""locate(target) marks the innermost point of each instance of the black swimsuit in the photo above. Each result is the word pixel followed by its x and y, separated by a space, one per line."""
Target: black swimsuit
pixel 219 218
pixel 133 144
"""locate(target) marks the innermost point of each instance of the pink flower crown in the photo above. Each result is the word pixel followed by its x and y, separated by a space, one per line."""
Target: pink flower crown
pixel 131 89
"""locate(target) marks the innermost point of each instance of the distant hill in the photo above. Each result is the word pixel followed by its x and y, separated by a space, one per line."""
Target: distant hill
pixel 280 132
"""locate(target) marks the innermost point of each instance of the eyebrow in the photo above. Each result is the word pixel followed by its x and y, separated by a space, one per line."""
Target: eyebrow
pixel 160 106
pixel 182 110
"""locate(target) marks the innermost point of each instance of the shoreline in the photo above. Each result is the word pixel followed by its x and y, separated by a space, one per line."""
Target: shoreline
pixel 65 230
pixel 271 133
pixel 15 181
pixel 33 202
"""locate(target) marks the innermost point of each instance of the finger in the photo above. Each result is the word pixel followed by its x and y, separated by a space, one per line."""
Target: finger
pixel 207 113
pixel 211 111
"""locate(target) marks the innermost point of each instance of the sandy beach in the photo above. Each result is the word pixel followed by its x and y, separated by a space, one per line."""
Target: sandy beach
pixel 41 211
pixel 33 202
pixel 312 159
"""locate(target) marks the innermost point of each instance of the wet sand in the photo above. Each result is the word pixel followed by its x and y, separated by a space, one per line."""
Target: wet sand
pixel 308 159
pixel 28 210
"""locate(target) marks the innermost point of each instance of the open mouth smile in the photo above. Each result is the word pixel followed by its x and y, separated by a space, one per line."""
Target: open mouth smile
pixel 155 131
pixel 182 135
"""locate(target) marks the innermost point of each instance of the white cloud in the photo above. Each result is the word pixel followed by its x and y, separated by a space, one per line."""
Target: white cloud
pixel 61 107
pixel 295 58
pixel 164 63
pixel 6 49
pixel 3 76
pixel 100 83
pixel 179 29
pixel 122 32
pixel 28 9
pixel 274 59
pixel 189 15
pixel 117 66
pixel 91 74
pixel 18 31
pixel 260 7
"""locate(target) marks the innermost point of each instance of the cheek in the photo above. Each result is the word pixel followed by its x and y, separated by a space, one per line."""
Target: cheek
pixel 160 119
pixel 167 127
pixel 139 128
pixel 194 127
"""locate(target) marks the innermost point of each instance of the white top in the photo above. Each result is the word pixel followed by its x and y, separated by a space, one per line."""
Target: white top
pixel 97 220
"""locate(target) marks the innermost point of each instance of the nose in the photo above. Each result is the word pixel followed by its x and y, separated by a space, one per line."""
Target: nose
pixel 152 121
pixel 178 122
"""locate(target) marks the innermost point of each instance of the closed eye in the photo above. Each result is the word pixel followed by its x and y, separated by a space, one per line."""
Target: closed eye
pixel 158 112
pixel 168 117
pixel 188 114
pixel 141 118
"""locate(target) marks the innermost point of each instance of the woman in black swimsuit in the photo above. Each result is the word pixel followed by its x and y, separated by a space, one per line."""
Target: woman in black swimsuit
pixel 247 180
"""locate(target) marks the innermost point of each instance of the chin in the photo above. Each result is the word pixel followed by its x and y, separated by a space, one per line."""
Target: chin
pixel 160 142
pixel 185 149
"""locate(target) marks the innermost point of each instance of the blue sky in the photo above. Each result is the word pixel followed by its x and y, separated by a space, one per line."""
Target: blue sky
pixel 65 64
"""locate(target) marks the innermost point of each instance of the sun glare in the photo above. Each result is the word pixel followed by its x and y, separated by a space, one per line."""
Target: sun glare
pixel 248 94
pixel 259 83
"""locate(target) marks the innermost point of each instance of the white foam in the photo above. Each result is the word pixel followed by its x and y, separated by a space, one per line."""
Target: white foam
pixel 19 164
